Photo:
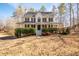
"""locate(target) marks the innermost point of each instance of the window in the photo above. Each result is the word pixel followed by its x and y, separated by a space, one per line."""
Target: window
pixel 55 26
pixel 28 25
pixel 32 19
pixel 25 25
pixel 50 19
pixel 39 20
pixel 26 19
pixel 33 26
pixel 44 20
pixel 45 26
pixel 49 26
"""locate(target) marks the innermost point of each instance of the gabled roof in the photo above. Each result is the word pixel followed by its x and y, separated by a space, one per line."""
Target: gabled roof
pixel 42 13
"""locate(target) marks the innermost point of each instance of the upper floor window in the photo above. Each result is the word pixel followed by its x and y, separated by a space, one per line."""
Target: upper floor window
pixel 27 19
pixel 39 19
pixel 44 20
pixel 32 19
pixel 50 19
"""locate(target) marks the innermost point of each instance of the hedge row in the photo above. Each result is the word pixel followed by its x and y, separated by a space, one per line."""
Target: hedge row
pixel 52 30
pixel 63 31
pixel 21 32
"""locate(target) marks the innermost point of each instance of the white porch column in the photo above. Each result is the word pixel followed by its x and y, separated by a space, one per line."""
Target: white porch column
pixel 41 23
pixel 47 19
pixel 47 22
pixel 36 26
pixel 29 18
pixel 30 21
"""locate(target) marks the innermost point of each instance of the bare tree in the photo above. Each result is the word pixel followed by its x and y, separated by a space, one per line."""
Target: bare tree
pixel 1 24
pixel 70 6
pixel 77 13
pixel 62 12
pixel 72 12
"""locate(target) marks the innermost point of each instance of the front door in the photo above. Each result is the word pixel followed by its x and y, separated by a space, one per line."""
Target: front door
pixel 38 27
pixel 38 31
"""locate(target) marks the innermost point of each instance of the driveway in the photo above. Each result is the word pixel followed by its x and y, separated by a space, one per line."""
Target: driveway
pixel 4 36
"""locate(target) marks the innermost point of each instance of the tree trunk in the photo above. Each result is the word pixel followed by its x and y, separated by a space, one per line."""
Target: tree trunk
pixel 73 19
pixel 70 16
pixel 77 13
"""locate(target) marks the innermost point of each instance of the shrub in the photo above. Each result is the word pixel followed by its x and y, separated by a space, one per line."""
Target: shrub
pixel 31 30
pixel 21 32
pixel 18 32
pixel 45 30
pixel 48 31
pixel 65 31
pixel 51 30
pixel 25 31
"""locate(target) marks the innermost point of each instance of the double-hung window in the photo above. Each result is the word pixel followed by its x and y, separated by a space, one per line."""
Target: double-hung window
pixel 50 19
pixel 44 20
pixel 26 19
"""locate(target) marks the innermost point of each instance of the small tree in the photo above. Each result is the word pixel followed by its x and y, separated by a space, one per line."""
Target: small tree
pixel 32 9
pixel 42 9
pixel 18 32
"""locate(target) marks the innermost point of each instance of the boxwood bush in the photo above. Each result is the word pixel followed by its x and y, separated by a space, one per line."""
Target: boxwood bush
pixel 21 32
pixel 63 31
pixel 31 30
pixel 18 32
pixel 51 30
pixel 47 31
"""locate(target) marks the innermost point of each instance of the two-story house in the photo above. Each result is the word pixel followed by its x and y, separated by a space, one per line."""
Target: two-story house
pixel 37 20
